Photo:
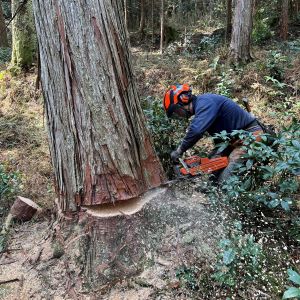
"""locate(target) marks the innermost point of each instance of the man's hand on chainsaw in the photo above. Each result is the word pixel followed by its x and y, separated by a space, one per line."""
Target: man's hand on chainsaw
pixel 175 155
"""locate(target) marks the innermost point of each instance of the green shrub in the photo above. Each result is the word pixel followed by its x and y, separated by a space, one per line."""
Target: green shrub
pixel 293 292
pixel 166 133
pixel 240 259
pixel 225 85
pixel 5 55
pixel 276 64
pixel 9 186
pixel 188 277
pixel 6 6
pixel 268 175
pixel 262 26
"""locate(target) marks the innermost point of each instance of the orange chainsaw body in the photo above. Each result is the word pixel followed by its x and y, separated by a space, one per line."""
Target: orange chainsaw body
pixel 196 165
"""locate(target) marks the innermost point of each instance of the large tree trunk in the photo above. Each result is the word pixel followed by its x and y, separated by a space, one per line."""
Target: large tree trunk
pixel 241 32
pixel 100 148
pixel 23 34
pixel 3 34
pixel 284 22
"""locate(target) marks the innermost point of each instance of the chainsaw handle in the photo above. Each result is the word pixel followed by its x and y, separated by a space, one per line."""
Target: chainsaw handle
pixel 247 104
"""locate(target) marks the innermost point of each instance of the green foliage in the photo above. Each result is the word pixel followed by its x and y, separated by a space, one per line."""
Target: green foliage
pixel 262 25
pixel 268 174
pixel 240 259
pixel 277 84
pixel 293 292
pixel 166 133
pixel 9 186
pixel 225 85
pixel 276 63
pixel 9 182
pixel 6 6
pixel 294 46
pixel 5 54
pixel 209 43
pixel 188 277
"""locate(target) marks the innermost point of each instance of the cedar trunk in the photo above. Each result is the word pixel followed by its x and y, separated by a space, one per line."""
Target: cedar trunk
pixel 3 33
pixel 241 31
pixel 23 35
pixel 284 23
pixel 100 148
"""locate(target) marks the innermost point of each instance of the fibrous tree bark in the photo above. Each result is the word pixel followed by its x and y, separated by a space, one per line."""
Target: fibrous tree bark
pixel 241 31
pixel 23 34
pixel 284 21
pixel 3 33
pixel 101 150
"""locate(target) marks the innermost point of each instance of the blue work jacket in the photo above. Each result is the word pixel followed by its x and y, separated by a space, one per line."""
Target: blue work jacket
pixel 213 114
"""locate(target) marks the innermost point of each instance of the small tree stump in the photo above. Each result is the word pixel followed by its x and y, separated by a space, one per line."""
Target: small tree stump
pixel 23 209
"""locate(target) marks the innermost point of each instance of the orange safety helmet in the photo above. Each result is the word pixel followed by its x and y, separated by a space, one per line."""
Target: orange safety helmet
pixel 177 96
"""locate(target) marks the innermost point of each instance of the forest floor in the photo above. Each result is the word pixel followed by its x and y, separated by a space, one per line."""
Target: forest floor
pixel 32 262
pixel 34 267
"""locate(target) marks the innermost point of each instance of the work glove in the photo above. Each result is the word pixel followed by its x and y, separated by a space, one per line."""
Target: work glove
pixel 176 154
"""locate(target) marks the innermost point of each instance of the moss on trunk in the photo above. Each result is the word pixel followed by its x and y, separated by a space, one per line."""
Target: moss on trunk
pixel 24 36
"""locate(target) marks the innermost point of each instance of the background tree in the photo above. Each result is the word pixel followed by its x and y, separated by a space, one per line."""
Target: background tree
pixel 229 20
pixel 241 31
pixel 162 26
pixel 23 34
pixel 125 13
pixel 284 20
pixel 143 17
pixel 100 148
pixel 3 34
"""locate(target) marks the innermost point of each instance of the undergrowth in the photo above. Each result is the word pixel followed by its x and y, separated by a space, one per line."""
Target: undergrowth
pixel 262 198
pixel 263 194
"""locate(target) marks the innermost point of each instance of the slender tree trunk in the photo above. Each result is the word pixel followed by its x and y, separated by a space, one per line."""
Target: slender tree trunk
pixel 162 26
pixel 284 22
pixel 3 34
pixel 229 20
pixel 101 150
pixel 142 20
pixel 23 35
pixel 125 13
pixel 152 21
pixel 241 32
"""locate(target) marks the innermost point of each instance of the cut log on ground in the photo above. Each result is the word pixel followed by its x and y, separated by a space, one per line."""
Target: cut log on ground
pixel 23 209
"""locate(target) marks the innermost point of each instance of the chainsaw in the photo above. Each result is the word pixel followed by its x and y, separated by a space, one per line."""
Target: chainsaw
pixel 195 165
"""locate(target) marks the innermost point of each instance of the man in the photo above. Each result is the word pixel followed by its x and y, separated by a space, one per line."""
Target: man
pixel 212 114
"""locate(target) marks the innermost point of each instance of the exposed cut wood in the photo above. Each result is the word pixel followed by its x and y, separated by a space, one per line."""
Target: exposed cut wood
pixel 129 207
pixel 24 209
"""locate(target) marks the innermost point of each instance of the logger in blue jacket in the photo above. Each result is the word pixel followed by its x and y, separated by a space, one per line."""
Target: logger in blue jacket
pixel 213 114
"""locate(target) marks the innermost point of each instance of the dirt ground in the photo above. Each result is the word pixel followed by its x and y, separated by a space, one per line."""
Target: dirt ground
pixel 35 268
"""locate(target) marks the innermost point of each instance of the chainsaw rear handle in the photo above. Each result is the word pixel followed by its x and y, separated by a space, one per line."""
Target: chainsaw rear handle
pixel 247 104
